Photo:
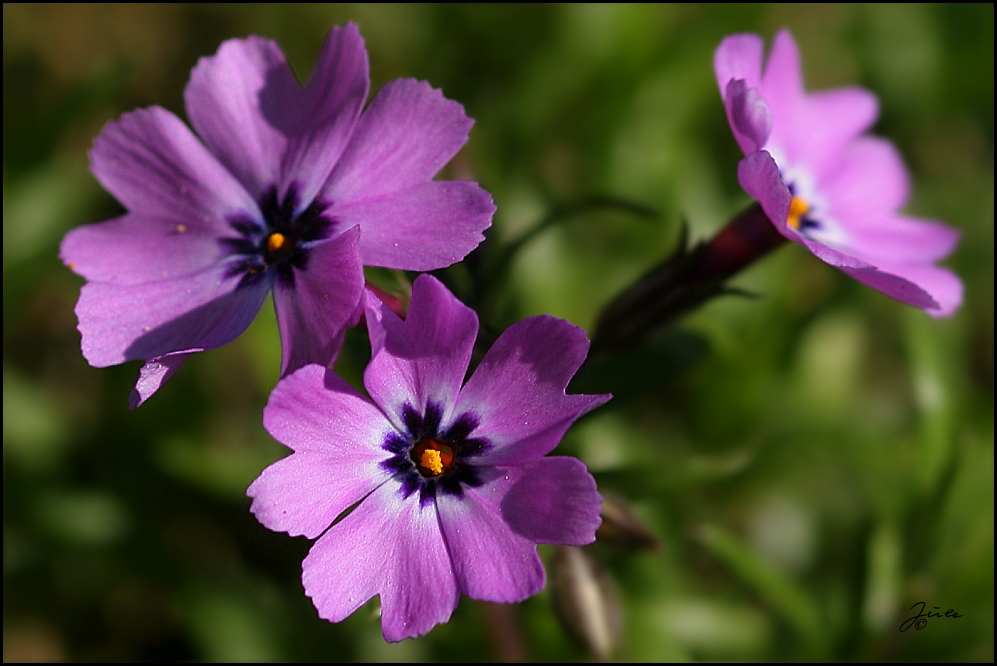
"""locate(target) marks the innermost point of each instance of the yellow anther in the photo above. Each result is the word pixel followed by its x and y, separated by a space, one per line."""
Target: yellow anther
pixel 181 228
pixel 432 461
pixel 797 209
pixel 276 241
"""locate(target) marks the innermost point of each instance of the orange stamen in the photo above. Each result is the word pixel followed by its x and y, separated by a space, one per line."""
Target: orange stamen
pixel 276 241
pixel 433 457
pixel 432 462
pixel 797 209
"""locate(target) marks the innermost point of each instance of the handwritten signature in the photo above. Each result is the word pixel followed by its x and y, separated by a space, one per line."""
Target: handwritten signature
pixel 920 621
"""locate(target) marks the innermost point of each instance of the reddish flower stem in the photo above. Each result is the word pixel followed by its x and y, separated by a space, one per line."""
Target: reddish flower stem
pixel 685 280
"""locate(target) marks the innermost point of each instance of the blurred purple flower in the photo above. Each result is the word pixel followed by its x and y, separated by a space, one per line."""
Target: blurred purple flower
pixel 453 487
pixel 292 190
pixel 826 185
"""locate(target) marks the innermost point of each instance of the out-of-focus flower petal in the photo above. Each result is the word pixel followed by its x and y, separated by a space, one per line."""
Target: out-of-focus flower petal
pixel 737 64
pixel 782 88
pixel 936 290
pixel 330 105
pixel 553 500
pixel 869 181
pixel 154 165
pixel 844 188
pixel 833 119
pixel 517 391
pixel 135 248
pixel 424 227
pixel 424 358
pixel 491 561
pixel 749 116
pixel 143 321
pixel 407 134
pixel 243 101
pixel 739 57
pixel 833 256
pixel 314 312
pixel 903 240
pixel 759 177
pixel 388 546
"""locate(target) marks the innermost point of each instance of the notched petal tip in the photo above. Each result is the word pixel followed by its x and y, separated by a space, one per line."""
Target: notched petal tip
pixel 739 57
pixel 407 133
pixel 424 227
pixel 555 501
pixel 305 492
pixel 519 389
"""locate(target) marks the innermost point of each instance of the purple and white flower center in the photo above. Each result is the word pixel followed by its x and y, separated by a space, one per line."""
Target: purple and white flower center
pixel 800 217
pixel 280 242
pixel 808 210
pixel 429 458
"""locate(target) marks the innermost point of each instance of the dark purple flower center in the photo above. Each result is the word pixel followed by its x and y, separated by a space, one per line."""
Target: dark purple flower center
pixel 428 460
pixel 282 243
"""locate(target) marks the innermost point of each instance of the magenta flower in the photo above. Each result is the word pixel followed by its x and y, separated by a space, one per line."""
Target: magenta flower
pixel 292 190
pixel 825 184
pixel 453 487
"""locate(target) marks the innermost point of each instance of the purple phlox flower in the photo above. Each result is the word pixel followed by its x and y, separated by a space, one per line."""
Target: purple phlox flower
pixel 293 189
pixel 823 182
pixel 453 485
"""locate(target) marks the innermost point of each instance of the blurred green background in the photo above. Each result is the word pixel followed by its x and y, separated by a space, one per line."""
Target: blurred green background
pixel 811 462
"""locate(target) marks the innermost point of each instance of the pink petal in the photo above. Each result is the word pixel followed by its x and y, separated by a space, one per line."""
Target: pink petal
pixel 154 374
pixel 387 546
pixel 759 175
pixel 867 182
pixel 423 228
pixel 749 116
pixel 135 248
pixel 424 358
pixel 943 285
pixel 935 290
pixel 145 321
pixel 491 562
pixel 327 112
pixel 406 135
pixel 155 166
pixel 902 240
pixel 553 500
pixel 739 57
pixel 829 121
pixel 737 64
pixel 313 410
pixel 243 102
pixel 518 390
pixel 782 88
pixel 305 492
pixel 337 437
pixel 835 257
pixel 314 313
